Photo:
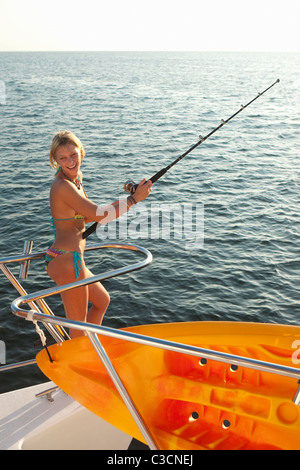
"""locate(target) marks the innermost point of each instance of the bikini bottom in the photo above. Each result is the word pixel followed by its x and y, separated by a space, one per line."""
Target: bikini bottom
pixel 51 253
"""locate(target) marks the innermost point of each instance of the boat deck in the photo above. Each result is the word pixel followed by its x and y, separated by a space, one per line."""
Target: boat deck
pixel 28 422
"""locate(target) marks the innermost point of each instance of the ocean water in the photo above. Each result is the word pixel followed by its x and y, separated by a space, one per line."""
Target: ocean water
pixel 135 113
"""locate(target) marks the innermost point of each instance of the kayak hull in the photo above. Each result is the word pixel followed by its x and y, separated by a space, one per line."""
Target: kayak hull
pixel 188 403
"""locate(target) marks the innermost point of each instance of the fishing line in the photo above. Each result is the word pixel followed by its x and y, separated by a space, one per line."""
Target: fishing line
pixel 286 96
pixel 295 112
pixel 292 104
pixel 130 186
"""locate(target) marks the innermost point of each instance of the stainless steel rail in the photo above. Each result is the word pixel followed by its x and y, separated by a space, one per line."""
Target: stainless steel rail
pixel 39 297
pixel 233 359
pixel 94 331
pixel 94 339
pixel 41 306
pixel 16 365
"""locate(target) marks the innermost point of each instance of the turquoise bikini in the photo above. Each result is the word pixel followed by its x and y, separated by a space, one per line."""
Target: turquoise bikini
pixel 52 253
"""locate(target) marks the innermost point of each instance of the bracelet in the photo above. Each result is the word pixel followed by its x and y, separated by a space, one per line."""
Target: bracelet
pixel 131 200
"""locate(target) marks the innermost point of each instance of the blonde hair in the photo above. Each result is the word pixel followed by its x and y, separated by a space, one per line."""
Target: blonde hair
pixel 61 139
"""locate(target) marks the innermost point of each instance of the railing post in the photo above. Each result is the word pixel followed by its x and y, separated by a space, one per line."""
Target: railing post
pixel 121 389
pixel 25 264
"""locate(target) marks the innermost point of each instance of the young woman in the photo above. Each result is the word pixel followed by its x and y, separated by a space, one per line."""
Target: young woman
pixel 71 209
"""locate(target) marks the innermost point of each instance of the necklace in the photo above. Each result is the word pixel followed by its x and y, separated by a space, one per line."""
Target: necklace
pixel 78 184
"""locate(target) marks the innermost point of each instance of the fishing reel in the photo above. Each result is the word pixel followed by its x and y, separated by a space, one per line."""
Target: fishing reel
pixel 130 186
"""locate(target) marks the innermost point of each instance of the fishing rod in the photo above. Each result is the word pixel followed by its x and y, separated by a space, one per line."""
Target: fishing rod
pixel 130 186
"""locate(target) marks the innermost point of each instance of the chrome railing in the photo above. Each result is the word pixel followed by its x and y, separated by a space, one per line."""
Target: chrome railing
pixel 94 331
pixel 36 302
pixel 40 305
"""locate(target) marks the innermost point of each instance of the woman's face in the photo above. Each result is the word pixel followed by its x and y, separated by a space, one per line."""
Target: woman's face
pixel 69 158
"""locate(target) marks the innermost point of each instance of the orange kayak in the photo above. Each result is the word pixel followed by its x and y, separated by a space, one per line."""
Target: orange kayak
pixel 188 403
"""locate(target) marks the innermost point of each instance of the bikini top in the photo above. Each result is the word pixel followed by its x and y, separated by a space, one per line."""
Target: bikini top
pixel 76 216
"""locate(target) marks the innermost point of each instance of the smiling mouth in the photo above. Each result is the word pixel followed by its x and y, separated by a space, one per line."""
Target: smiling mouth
pixel 72 167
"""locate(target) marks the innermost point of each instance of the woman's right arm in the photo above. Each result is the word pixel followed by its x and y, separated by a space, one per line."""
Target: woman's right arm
pixel 90 211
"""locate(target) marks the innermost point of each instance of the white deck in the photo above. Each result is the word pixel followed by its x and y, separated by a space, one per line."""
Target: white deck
pixel 27 422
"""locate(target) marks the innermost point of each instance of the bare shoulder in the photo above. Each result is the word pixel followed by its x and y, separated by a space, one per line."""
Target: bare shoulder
pixel 62 187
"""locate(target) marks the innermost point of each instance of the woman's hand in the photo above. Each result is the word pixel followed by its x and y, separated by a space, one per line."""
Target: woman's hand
pixel 143 190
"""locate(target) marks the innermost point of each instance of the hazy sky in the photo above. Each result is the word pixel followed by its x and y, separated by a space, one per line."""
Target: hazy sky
pixel 194 25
